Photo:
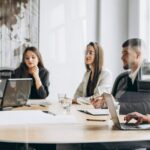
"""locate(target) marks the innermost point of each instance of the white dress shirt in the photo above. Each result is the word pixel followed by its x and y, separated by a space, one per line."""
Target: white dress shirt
pixel 133 75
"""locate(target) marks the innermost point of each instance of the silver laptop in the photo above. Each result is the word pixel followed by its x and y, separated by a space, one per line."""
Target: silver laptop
pixel 2 87
pixel 123 126
pixel 16 92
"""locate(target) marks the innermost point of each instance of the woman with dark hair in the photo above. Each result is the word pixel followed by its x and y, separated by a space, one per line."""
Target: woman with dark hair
pixel 32 67
pixel 96 79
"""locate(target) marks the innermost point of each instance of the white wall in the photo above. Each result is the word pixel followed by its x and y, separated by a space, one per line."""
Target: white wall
pixel 139 23
pixel 66 26
pixel 134 18
pixel 113 32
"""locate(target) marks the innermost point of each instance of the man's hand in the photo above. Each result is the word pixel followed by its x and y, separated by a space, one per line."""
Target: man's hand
pixel 137 116
pixel 98 102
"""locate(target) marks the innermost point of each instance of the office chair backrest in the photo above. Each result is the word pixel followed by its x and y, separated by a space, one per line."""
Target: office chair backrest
pixel 5 73
pixel 117 81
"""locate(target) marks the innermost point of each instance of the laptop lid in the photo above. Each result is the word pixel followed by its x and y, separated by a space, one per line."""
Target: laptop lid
pixel 16 92
pixel 110 103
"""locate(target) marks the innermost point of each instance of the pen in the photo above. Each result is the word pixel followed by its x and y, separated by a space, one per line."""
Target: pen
pixel 95 120
pixel 43 105
pixel 48 112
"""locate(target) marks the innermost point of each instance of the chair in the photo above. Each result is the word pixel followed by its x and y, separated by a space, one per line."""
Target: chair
pixel 5 73
pixel 117 81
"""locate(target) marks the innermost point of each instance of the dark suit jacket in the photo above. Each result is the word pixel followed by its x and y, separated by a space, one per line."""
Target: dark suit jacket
pixel 129 97
pixel 43 91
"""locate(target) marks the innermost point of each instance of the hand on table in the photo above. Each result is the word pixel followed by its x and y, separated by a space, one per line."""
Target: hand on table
pixel 140 118
pixel 98 102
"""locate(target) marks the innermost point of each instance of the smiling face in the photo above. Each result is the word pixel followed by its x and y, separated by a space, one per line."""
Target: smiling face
pixel 31 59
pixel 129 58
pixel 90 55
pixel 124 58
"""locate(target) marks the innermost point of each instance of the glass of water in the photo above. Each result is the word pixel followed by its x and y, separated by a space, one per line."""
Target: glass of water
pixel 66 105
pixel 61 97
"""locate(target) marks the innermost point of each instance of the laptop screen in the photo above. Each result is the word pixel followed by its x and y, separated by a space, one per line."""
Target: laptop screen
pixel 110 103
pixel 2 87
pixel 16 92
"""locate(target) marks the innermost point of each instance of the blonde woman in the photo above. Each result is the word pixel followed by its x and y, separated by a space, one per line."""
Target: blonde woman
pixel 96 79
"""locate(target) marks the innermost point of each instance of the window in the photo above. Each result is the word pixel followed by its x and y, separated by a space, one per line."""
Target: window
pixel 144 25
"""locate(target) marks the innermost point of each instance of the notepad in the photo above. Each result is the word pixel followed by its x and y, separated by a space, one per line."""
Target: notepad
pixel 24 117
pixel 95 112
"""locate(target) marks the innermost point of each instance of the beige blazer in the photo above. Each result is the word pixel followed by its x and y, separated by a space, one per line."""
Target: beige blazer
pixel 104 84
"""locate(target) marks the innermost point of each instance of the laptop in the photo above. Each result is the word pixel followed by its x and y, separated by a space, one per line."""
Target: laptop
pixel 95 112
pixel 122 126
pixel 2 87
pixel 16 92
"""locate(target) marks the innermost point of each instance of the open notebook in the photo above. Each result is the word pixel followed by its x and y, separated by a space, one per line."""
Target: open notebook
pixel 95 112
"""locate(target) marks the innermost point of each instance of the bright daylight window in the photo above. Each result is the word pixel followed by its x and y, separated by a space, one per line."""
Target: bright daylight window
pixel 144 25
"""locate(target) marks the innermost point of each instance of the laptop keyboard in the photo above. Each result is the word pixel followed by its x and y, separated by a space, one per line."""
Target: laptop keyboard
pixel 129 126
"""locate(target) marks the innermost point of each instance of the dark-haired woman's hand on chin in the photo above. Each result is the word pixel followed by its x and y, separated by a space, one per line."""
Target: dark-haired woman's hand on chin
pixel 35 73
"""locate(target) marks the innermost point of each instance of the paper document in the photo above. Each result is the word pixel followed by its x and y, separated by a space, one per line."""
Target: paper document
pixel 33 117
pixel 144 126
pixel 83 100
pixel 95 112
pixel 38 102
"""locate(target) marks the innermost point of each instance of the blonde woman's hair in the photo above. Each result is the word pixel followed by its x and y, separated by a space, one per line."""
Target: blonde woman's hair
pixel 98 62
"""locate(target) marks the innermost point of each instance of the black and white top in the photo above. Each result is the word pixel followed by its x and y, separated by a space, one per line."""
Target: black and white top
pixel 104 84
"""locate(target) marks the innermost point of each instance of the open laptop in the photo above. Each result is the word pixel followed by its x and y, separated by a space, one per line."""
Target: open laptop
pixel 123 126
pixel 2 87
pixel 16 92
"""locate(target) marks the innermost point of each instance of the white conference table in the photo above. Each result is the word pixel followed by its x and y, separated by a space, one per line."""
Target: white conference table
pixel 81 132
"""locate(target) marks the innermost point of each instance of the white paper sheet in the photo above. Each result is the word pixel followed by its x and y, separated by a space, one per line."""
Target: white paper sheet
pixel 38 102
pixel 33 117
pixel 83 100
pixel 144 126
pixel 95 111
